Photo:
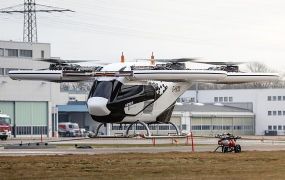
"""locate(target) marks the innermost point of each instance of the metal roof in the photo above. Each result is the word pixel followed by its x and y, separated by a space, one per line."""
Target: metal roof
pixel 208 108
pixel 72 108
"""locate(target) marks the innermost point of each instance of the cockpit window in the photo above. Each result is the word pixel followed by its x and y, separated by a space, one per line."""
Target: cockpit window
pixel 103 89
pixel 116 91
pixel 129 91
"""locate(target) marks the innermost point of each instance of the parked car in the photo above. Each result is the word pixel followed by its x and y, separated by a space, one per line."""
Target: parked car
pixel 68 129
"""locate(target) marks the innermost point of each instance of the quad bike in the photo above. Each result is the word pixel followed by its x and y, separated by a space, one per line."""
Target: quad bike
pixel 228 143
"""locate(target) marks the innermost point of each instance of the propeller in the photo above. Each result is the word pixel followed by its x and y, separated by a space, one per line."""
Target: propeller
pixel 176 60
pixel 221 63
pixel 60 61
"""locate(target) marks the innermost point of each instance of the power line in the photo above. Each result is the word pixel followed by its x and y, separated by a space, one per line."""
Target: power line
pixel 29 9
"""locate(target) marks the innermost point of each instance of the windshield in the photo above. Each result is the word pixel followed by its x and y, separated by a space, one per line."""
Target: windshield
pixel 5 120
pixel 104 89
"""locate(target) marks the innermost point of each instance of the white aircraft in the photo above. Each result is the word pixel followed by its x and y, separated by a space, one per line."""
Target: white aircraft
pixel 139 92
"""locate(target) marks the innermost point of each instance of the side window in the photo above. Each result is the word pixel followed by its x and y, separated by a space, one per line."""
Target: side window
pixel 128 91
pixel 274 113
pixel 268 98
pixel 26 53
pixel 1 71
pixel 230 99
pixel 1 52
pixel 11 52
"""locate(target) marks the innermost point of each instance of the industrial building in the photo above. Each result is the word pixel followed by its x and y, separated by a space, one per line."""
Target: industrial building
pixel 268 105
pixel 30 104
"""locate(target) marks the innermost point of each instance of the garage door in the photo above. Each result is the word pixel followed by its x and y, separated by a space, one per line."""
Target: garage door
pixel 31 113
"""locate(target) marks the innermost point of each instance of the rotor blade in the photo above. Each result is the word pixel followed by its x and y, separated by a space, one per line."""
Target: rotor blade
pixel 61 61
pixel 229 63
pixel 172 60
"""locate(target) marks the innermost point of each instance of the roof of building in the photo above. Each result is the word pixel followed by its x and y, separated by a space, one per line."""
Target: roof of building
pixel 72 108
pixel 199 107
pixel 21 42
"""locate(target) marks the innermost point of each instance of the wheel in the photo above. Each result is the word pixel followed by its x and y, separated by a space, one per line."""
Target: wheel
pixel 225 149
pixel 237 148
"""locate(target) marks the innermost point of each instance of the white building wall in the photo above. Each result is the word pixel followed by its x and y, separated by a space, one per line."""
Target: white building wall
pixel 258 97
pixel 11 90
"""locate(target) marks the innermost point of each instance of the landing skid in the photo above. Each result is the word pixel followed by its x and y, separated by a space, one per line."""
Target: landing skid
pixel 146 126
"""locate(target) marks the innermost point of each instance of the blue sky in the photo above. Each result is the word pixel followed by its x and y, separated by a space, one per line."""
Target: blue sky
pixel 218 30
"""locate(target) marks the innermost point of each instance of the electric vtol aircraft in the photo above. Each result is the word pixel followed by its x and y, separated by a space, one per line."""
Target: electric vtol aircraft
pixel 145 92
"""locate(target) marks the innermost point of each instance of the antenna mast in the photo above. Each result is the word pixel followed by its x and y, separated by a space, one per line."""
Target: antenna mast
pixel 29 9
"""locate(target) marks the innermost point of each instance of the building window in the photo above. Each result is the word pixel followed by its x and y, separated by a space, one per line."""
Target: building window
pixel 1 71
pixel 274 113
pixel 196 127
pixel 283 127
pixel 216 127
pixel 269 127
pixel 274 98
pixel 226 127
pixel 43 54
pixel 237 127
pixel 216 99
pixel 283 98
pixel 283 113
pixel 1 52
pixel 192 99
pixel 279 127
pixel 279 113
pixel 225 99
pixel 221 99
pixel 163 127
pixel 230 99
pixel 269 113
pixel 274 127
pixel 279 98
pixel 206 127
pixel 268 98
pixel 11 52
pixel 248 128
pixel 26 53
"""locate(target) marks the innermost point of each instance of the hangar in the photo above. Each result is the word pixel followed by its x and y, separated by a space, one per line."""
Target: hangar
pixel 268 105
pixel 29 103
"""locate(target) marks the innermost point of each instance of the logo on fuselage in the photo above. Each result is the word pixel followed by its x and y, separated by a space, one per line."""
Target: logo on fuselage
pixel 176 89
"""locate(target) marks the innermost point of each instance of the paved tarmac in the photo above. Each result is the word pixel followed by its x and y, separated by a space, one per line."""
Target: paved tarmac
pixel 66 146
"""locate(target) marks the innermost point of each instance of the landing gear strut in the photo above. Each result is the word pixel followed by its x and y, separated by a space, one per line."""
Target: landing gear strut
pixel 97 131
pixel 140 122
pixel 146 126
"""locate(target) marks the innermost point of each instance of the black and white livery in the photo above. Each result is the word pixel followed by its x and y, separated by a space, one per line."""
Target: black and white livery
pixel 139 91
